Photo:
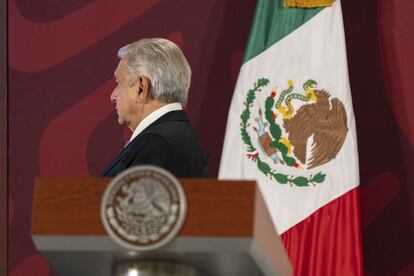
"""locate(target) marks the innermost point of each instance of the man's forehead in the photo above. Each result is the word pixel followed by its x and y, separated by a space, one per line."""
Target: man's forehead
pixel 121 65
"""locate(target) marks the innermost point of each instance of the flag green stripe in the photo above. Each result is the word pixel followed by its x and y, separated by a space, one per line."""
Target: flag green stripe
pixel 272 22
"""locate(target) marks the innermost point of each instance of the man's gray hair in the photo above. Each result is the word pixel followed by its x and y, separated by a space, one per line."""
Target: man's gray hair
pixel 163 63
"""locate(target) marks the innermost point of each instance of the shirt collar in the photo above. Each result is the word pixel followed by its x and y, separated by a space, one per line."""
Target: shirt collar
pixel 153 116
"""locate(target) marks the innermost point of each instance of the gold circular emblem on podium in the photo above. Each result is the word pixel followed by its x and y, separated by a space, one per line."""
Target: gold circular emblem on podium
pixel 143 208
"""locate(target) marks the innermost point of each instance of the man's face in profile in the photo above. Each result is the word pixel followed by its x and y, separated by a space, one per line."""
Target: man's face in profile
pixel 124 94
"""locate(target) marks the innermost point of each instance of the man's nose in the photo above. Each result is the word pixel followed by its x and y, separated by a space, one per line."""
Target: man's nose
pixel 113 96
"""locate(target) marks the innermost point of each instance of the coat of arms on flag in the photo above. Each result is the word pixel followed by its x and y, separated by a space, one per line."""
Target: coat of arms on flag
pixel 299 129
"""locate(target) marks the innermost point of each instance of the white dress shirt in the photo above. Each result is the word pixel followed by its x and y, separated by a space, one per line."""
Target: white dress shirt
pixel 153 116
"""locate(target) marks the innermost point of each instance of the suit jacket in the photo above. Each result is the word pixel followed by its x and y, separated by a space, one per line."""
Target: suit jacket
pixel 170 142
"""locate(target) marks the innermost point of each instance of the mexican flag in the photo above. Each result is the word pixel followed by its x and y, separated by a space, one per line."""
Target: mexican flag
pixel 291 128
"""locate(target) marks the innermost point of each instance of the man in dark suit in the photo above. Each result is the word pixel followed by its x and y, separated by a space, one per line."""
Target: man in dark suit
pixel 153 78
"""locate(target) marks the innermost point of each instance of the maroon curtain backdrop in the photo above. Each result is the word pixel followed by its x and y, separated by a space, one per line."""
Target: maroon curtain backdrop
pixel 61 60
pixel 380 45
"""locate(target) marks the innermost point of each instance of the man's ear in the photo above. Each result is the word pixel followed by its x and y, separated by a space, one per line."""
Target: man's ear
pixel 143 92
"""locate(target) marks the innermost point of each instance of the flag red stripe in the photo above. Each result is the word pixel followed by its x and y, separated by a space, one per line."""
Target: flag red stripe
pixel 329 241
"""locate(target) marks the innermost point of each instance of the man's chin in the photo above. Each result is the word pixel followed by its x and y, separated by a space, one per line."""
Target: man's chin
pixel 121 121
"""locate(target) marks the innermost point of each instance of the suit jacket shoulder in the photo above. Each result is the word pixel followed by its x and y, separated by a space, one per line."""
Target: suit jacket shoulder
pixel 170 142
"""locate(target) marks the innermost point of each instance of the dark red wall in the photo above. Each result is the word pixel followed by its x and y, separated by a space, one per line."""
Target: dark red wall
pixel 61 60
pixel 380 44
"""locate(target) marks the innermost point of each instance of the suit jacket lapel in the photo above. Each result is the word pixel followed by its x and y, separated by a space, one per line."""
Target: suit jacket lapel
pixel 178 115
pixel 116 160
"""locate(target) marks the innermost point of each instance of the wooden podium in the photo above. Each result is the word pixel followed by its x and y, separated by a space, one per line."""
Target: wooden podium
pixel 227 231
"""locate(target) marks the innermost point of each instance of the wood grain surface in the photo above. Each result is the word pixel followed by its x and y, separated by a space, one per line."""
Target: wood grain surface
pixel 72 207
